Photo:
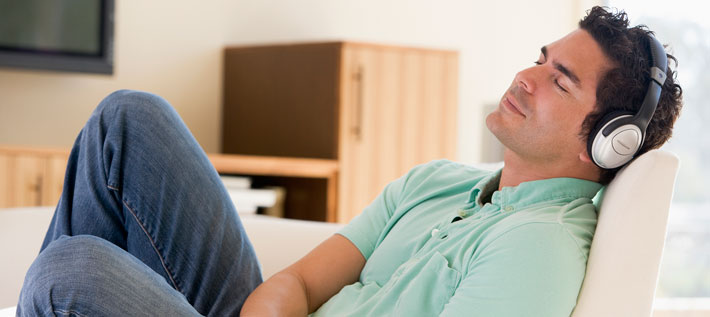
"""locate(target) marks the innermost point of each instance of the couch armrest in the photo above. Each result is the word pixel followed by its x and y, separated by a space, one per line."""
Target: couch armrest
pixel 22 231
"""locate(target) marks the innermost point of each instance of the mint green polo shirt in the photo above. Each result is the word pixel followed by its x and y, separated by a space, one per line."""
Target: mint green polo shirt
pixel 523 253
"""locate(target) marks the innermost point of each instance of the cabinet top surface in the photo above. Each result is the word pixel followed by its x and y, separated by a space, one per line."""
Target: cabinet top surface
pixel 339 44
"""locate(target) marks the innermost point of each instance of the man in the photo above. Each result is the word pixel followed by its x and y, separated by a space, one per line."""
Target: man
pixel 143 226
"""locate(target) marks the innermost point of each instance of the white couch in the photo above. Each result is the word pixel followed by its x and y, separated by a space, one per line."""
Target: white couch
pixel 277 242
pixel 622 270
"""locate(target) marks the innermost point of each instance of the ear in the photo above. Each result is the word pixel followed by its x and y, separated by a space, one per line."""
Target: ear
pixel 584 157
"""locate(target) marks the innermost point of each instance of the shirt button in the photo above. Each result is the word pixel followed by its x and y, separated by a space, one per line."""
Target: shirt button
pixel 434 232
pixel 508 208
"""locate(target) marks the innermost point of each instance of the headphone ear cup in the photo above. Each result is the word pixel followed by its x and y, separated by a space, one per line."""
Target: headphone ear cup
pixel 598 130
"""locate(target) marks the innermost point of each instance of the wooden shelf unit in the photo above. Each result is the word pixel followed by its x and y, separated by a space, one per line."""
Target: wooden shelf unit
pixel 34 177
pixel 377 110
pixel 311 184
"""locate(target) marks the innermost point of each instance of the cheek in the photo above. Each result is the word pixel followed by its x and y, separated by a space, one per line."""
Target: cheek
pixel 560 120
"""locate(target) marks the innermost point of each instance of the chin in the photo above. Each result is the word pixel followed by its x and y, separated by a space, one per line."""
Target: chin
pixel 495 124
pixel 491 120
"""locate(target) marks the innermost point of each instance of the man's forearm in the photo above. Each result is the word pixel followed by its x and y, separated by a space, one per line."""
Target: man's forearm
pixel 284 294
pixel 311 281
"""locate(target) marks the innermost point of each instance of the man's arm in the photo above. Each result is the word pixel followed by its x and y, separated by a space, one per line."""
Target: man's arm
pixel 305 285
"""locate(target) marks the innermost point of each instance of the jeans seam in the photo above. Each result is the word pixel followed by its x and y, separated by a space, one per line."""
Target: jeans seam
pixel 152 244
pixel 68 312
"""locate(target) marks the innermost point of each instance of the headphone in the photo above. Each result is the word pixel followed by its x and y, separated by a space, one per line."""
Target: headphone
pixel 618 136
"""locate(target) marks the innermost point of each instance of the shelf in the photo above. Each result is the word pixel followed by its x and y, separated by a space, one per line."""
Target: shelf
pixel 312 182
pixel 22 150
pixel 274 166
pixel 285 171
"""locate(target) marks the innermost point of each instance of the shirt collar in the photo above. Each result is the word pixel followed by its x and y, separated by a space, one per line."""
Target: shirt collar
pixel 528 193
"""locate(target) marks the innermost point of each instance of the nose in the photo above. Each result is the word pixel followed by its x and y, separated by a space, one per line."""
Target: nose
pixel 525 79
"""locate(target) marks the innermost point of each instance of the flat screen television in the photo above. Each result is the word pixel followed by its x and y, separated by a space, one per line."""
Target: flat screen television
pixel 58 35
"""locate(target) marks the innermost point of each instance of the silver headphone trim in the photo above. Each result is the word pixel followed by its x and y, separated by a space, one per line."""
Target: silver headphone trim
pixel 601 143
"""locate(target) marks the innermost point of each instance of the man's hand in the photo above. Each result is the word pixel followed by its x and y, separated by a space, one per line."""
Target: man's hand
pixel 305 285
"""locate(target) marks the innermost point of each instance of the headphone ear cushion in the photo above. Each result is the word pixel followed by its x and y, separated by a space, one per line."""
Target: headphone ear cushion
pixel 600 124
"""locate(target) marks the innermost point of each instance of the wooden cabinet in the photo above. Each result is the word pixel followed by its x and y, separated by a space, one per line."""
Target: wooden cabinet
pixel 31 177
pixel 376 110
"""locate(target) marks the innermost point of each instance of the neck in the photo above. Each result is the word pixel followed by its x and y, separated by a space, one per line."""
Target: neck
pixel 517 170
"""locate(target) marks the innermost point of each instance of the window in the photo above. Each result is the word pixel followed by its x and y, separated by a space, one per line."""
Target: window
pixel 685 268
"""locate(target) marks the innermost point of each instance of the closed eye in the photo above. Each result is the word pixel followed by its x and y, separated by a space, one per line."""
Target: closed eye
pixel 557 82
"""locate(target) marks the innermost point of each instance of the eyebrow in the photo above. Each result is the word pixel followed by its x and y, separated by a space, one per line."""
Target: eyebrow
pixel 564 70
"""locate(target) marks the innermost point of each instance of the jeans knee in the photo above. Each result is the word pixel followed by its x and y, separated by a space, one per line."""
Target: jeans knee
pixel 137 105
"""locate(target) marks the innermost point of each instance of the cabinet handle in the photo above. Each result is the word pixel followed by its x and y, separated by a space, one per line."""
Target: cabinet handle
pixel 38 189
pixel 358 78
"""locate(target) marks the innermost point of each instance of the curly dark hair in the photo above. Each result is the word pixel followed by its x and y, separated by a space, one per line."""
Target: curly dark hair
pixel 624 86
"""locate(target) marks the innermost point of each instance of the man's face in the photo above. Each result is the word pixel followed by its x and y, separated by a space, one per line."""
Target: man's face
pixel 540 116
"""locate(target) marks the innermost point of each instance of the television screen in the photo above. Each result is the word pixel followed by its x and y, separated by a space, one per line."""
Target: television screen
pixel 64 35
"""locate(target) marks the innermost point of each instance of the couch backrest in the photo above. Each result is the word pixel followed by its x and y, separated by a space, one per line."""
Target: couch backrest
pixel 625 256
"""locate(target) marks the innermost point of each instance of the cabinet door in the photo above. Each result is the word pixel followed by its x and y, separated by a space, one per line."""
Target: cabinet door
pixel 356 146
pixel 5 189
pixel 53 180
pixel 398 110
pixel 281 100
pixel 27 179
pixel 430 103
pixel 31 177
pixel 374 116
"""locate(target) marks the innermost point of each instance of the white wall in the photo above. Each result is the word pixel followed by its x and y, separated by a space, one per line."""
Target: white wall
pixel 173 48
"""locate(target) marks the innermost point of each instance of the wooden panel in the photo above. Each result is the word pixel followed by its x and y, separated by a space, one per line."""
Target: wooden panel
pixel 54 179
pixel 360 171
pixel 387 120
pixel 366 172
pixel 350 88
pixel 451 105
pixel 280 100
pixel 5 181
pixel 28 176
pixel 366 188
pixel 31 176
pixel 358 130
pixel 412 114
pixel 433 108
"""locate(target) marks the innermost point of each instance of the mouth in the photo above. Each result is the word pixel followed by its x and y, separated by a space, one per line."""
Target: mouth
pixel 510 104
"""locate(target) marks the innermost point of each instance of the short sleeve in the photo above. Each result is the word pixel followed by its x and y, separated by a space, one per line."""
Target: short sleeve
pixel 533 270
pixel 366 229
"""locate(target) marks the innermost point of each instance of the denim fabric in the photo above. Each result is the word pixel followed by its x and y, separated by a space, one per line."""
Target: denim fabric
pixel 89 276
pixel 138 180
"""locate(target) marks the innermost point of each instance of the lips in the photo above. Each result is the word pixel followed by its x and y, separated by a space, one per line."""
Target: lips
pixel 510 104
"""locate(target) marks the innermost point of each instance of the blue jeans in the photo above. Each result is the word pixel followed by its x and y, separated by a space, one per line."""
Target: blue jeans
pixel 144 225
